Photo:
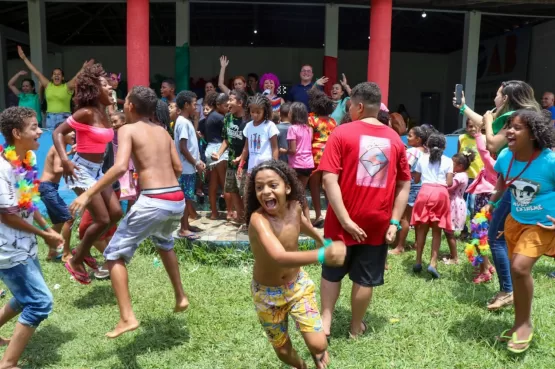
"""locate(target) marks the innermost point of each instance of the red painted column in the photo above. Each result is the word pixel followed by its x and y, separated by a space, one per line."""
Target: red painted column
pixel 379 51
pixel 138 44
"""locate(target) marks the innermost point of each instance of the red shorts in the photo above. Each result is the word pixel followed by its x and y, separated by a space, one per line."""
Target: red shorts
pixel 87 220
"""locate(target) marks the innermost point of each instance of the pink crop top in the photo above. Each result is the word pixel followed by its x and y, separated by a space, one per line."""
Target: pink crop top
pixel 90 140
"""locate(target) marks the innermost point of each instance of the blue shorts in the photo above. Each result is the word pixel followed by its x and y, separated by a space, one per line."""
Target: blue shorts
pixel 414 189
pixel 54 118
pixel 55 205
pixel 188 182
pixel 31 295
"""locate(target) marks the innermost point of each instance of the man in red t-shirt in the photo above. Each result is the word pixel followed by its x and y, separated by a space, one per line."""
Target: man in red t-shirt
pixel 367 179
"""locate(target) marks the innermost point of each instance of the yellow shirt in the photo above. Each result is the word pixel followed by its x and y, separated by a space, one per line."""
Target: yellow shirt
pixel 468 143
pixel 58 98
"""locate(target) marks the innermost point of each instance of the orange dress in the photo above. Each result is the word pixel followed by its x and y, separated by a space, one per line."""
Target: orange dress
pixel 322 128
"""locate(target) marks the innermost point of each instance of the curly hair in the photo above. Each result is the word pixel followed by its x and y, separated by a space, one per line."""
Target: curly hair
pixel 436 145
pixel 540 127
pixel 12 118
pixel 286 173
pixel 162 113
pixel 144 99
pixel 465 158
pixel 184 97
pixel 271 77
pixel 210 99
pixel 383 117
pixel 263 102
pixel 319 103
pixel 88 86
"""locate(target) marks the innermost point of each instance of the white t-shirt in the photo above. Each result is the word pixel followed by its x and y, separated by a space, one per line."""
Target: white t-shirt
pixel 184 129
pixel 258 137
pixel 15 246
pixel 435 173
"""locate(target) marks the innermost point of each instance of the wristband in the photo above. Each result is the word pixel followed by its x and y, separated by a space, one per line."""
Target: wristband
pixel 44 228
pixel 396 223
pixel 322 251
pixel 462 109
pixel 494 204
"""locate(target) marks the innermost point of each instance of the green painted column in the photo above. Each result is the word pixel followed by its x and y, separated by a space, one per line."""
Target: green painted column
pixel 182 42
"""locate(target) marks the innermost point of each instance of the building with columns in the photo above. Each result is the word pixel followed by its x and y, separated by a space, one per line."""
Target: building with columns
pixel 415 50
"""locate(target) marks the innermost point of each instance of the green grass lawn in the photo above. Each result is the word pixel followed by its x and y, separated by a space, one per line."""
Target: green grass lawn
pixel 413 322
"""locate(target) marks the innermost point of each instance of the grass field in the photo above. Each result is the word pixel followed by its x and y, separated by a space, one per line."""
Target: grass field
pixel 413 322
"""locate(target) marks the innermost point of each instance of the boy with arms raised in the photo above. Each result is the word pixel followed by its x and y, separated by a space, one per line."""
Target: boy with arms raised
pixel 160 204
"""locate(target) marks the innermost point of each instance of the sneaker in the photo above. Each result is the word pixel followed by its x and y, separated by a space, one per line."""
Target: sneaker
pixel 500 300
pixel 102 273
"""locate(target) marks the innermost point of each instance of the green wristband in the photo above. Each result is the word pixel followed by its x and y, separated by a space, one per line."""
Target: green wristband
pixel 494 204
pixel 462 109
pixel 396 223
pixel 322 251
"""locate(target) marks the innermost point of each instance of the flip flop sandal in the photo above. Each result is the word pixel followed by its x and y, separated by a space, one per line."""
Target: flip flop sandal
pixel 503 337
pixel 195 229
pixel 82 278
pixel 190 237
pixel 318 223
pixel 514 340
pixel 89 260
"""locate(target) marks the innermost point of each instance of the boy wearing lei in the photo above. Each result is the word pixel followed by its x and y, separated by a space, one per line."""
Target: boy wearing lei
pixel 19 265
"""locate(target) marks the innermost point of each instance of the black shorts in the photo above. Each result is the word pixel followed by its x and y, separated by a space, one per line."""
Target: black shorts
pixel 304 172
pixel 365 265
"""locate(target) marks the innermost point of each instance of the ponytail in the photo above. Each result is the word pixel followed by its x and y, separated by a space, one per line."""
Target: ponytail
pixel 436 146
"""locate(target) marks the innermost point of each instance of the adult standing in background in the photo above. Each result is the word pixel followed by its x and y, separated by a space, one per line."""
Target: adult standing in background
pixel 28 97
pixel 208 87
pixel 252 84
pixel 299 93
pixel 57 92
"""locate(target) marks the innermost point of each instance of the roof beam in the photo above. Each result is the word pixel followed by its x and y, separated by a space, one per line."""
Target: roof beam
pixel 23 38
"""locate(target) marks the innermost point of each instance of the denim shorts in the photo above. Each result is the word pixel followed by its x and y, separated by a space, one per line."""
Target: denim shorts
pixel 55 205
pixel 54 118
pixel 31 295
pixel 414 189
pixel 212 148
pixel 87 173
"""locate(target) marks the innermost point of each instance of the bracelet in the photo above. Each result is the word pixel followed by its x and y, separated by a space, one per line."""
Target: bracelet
pixel 395 223
pixel 322 251
pixel 462 109
pixel 494 204
pixel 44 228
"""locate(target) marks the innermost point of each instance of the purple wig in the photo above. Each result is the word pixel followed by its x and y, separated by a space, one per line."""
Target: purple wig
pixel 271 77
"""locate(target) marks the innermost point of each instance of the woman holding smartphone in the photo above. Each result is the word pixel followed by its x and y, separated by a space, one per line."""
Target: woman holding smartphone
pixel 511 96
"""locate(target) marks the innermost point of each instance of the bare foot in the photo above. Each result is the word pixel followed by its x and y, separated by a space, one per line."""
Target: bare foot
pixel 214 216
pixel 181 305
pixel 396 251
pixel 322 360
pixel 78 268
pixel 66 257
pixel 123 327
pixel 4 341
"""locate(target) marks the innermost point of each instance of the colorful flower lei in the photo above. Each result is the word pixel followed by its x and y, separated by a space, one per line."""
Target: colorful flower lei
pixel 478 247
pixel 26 176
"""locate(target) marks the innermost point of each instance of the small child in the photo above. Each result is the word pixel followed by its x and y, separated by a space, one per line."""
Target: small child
pixel 461 162
pixel 467 143
pixel 299 138
pixel 58 212
pixel 416 139
pixel 186 143
pixel 233 142
pixel 280 288
pixel 283 127
pixel 483 187
pixel 526 169
pixel 19 265
pixel 261 142
pixel 432 205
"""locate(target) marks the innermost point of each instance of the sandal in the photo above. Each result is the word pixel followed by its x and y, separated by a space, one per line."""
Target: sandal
pixel 318 223
pixel 353 336
pixel 491 269
pixel 89 260
pixel 514 340
pixel 189 237
pixel 82 278
pixel 482 278
pixel 503 337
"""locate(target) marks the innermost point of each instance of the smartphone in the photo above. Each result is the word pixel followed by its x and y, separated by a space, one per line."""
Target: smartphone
pixel 458 94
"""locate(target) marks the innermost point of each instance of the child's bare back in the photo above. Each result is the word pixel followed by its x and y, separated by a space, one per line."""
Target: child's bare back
pixel 153 152
pixel 52 167
pixel 263 228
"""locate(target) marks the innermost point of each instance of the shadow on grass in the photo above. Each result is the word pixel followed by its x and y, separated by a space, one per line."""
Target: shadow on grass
pixel 99 295
pixel 152 336
pixel 42 350
pixel 341 322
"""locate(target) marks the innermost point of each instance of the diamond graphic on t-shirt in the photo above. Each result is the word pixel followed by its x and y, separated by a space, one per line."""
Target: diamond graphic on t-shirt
pixel 373 160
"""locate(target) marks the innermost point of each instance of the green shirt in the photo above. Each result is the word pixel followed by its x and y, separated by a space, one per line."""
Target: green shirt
pixel 58 98
pixel 498 125
pixel 232 131
pixel 31 101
